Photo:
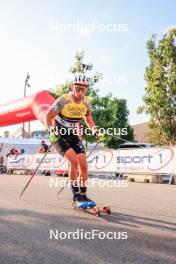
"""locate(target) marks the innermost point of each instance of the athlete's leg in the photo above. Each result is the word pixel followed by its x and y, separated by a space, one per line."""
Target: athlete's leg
pixel 66 150
pixel 79 149
pixel 83 173
pixel 72 158
pixel 77 157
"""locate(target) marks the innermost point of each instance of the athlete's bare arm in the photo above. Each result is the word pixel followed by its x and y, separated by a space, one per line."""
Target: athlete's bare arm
pixel 53 111
pixel 49 120
pixel 90 123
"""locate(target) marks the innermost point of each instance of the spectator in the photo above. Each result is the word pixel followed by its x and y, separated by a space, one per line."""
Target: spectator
pixel 12 152
pixel 43 147
pixel 2 167
pixel 22 151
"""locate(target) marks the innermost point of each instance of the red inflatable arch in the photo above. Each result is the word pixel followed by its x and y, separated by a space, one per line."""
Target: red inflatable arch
pixel 26 109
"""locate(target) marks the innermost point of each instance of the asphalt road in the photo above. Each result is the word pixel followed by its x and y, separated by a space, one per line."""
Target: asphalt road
pixel 145 212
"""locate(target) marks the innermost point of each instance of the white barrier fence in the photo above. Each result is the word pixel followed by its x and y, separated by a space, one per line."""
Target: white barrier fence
pixel 145 160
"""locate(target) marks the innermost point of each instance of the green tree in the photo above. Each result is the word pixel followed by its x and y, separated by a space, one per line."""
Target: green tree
pixel 112 113
pixel 160 92
pixel 78 68
pixel 108 112
pixel 120 123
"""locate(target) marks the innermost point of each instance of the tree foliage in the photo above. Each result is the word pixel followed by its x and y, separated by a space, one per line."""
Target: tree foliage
pixel 160 92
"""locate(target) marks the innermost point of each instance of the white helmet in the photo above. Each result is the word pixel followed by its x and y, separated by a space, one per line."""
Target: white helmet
pixel 81 80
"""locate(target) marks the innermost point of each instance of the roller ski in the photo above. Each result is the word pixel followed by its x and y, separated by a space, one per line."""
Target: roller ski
pixel 87 204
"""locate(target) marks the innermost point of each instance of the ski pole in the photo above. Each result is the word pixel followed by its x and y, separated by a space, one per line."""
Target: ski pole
pixel 92 150
pixel 35 171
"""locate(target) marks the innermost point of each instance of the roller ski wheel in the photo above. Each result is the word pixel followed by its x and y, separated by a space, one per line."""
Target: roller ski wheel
pixel 106 210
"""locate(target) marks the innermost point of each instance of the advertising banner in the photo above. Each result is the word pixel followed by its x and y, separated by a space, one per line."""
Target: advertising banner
pixel 146 160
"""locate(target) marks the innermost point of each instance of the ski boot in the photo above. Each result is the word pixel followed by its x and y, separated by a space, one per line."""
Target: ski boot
pixel 90 203
pixel 78 201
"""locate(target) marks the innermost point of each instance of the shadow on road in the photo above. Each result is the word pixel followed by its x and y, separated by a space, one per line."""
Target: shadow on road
pixel 24 238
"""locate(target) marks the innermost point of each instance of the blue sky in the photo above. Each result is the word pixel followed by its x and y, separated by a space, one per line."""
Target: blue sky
pixel 29 43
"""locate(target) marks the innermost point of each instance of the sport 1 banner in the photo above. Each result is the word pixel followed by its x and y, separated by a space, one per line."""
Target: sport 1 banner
pixel 145 160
